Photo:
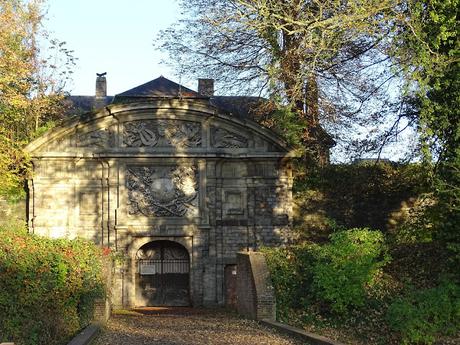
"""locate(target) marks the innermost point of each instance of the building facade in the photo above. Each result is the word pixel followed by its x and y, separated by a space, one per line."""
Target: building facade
pixel 172 180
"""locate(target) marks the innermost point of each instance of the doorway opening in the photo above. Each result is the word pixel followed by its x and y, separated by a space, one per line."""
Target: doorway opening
pixel 163 274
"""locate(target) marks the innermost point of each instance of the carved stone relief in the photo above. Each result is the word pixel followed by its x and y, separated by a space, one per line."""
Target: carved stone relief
pixel 156 251
pixel 162 191
pixel 162 133
pixel 223 138
pixel 101 138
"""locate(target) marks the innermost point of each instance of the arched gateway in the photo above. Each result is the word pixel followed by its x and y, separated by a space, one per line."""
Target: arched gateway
pixel 164 173
pixel 163 274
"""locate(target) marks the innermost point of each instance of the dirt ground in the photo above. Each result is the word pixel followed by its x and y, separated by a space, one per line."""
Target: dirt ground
pixel 181 326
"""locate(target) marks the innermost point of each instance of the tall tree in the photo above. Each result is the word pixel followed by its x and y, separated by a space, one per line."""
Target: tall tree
pixel 30 84
pixel 322 60
pixel 428 47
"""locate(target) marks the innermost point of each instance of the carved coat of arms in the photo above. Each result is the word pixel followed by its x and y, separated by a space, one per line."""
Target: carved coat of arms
pixel 165 191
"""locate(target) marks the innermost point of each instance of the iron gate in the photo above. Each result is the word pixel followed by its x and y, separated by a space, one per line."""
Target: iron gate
pixel 163 274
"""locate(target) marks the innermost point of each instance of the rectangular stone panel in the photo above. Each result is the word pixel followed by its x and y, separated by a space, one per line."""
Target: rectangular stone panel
pixel 234 203
pixel 53 169
pixel 88 170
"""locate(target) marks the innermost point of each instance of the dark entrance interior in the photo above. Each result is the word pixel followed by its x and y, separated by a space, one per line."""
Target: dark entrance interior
pixel 163 274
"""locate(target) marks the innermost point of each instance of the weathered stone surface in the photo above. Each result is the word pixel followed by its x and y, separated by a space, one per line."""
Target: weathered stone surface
pixel 102 138
pixel 12 212
pixel 223 138
pixel 163 170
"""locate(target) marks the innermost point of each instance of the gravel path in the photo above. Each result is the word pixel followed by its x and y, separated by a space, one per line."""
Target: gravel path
pixel 187 327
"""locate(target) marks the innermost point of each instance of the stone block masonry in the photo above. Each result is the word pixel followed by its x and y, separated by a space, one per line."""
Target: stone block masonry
pixel 12 213
pixel 175 185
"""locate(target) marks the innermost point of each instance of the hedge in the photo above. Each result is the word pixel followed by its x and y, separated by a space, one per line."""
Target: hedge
pixel 47 287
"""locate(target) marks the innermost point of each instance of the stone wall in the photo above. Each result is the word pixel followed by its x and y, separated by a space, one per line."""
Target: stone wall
pixel 255 292
pixel 12 213
pixel 103 306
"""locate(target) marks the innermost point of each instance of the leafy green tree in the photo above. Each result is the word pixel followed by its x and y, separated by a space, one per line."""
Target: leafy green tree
pixel 428 46
pixel 30 85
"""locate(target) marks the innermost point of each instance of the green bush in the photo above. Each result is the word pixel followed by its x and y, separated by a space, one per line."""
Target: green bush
pixel 47 287
pixel 291 274
pixel 347 266
pixel 420 315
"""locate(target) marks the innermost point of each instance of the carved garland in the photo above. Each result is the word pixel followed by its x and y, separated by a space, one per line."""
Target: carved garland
pixel 167 191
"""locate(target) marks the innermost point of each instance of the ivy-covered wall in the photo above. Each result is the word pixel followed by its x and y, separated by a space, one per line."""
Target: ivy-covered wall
pixel 379 196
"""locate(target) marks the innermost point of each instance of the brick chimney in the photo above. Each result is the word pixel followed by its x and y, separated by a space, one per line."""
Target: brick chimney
pixel 206 87
pixel 101 85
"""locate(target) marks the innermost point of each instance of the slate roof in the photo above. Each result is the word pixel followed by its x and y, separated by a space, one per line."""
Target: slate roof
pixel 238 106
pixel 242 107
pixel 157 88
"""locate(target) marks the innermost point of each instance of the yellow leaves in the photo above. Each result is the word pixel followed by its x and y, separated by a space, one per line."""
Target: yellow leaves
pixel 18 101
pixel 27 97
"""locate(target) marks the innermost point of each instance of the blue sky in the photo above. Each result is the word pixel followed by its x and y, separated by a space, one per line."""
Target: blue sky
pixel 114 37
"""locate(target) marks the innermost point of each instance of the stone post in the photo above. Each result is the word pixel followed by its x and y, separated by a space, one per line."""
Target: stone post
pixel 103 306
pixel 255 292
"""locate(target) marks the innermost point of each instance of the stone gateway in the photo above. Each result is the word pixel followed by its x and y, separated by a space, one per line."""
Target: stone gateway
pixel 175 180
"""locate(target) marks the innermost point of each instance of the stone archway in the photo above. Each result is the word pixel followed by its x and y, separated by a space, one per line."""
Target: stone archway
pixel 162 274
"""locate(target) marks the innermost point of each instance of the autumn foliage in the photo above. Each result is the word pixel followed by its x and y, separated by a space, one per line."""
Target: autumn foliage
pixel 31 85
